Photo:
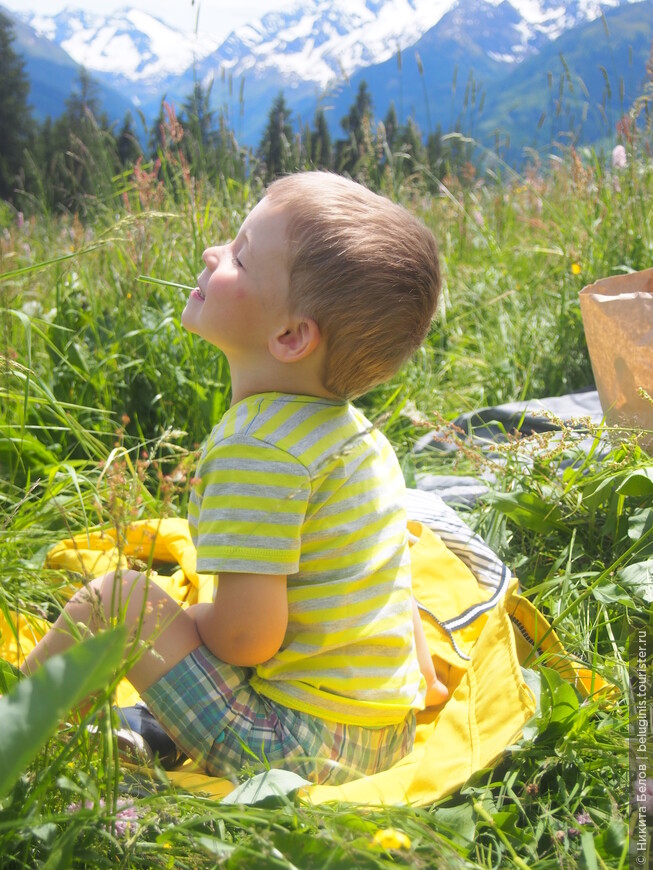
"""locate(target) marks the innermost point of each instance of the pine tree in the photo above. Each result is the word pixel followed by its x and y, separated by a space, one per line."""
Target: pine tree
pixel 16 121
pixel 127 144
pixel 84 158
pixel 84 102
pixel 391 126
pixel 359 111
pixel 321 155
pixel 276 148
pixel 231 160
pixel 436 154
pixel 155 142
pixel 357 124
pixel 199 139
pixel 411 143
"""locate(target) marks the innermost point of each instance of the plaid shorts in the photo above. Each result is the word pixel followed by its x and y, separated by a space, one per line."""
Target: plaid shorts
pixel 213 714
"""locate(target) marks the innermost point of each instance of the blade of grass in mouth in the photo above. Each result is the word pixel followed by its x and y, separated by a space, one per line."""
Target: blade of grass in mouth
pixel 145 279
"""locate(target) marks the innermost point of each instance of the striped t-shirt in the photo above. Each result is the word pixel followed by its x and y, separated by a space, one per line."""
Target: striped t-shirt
pixel 306 487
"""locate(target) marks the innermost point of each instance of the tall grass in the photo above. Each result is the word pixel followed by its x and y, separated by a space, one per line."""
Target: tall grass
pixel 105 401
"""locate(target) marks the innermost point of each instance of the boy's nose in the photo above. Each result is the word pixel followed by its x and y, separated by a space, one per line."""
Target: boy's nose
pixel 211 257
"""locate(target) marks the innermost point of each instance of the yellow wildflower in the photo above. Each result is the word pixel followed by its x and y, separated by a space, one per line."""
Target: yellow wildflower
pixel 391 838
pixel 575 269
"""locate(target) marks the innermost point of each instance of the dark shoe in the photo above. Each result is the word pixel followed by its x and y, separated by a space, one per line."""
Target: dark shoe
pixel 139 735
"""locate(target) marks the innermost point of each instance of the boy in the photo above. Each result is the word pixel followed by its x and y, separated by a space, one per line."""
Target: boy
pixel 307 657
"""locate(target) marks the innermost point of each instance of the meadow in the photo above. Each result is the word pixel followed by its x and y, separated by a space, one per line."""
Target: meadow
pixel 105 401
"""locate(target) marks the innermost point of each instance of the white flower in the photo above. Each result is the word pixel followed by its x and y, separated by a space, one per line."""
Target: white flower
pixel 619 159
pixel 32 308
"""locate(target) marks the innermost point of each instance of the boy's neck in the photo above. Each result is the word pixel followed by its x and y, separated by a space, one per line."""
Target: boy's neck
pixel 293 379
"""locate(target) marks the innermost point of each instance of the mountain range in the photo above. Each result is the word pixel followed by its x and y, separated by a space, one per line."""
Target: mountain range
pixel 485 65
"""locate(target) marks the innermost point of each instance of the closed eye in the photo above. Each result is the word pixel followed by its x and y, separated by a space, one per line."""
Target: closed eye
pixel 237 262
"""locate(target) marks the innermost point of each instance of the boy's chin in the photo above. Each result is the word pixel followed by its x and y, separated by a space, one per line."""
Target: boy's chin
pixel 187 320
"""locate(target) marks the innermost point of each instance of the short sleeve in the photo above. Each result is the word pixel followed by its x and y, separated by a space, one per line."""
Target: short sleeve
pixel 247 508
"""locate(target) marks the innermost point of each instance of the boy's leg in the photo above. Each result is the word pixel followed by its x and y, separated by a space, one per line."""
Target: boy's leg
pixel 156 621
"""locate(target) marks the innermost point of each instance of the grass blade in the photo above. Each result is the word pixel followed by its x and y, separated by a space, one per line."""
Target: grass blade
pixel 30 714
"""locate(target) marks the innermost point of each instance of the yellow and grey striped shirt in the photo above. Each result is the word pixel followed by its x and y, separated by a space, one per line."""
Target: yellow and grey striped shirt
pixel 307 488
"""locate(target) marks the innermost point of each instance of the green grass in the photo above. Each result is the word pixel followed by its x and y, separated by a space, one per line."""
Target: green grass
pixel 104 401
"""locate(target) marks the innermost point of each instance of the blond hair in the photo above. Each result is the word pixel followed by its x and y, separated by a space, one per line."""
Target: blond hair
pixel 364 269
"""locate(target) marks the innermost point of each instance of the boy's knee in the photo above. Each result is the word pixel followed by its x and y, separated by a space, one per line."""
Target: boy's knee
pixel 126 579
pixel 95 586
pixel 114 588
pixel 89 592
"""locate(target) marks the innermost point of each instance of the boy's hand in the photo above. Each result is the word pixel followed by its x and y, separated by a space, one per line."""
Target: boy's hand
pixel 246 624
pixel 436 693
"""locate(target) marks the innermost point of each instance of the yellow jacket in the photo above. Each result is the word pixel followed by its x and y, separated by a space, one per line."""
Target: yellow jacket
pixel 479 629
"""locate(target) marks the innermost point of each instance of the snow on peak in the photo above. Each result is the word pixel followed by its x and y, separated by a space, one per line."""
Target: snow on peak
pixel 128 42
pixel 320 40
pixel 316 41
pixel 549 19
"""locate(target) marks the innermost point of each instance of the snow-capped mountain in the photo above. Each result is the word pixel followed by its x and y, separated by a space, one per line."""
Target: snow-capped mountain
pixel 316 41
pixel 319 40
pixel 131 46
pixel 408 52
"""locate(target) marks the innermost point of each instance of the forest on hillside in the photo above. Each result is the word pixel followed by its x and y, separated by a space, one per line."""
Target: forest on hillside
pixel 70 161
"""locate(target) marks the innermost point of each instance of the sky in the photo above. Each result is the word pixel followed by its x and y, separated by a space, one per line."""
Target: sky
pixel 217 17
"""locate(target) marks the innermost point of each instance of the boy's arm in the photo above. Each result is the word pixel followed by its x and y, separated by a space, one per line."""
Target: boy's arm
pixel 246 623
pixel 436 691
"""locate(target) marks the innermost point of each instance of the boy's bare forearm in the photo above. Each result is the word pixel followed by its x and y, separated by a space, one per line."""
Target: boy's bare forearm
pixel 227 649
pixel 436 691
pixel 238 635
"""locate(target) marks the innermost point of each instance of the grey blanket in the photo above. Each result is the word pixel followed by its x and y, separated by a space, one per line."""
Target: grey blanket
pixel 489 426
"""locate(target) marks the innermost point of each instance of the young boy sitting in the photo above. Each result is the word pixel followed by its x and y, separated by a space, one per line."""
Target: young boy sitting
pixel 308 655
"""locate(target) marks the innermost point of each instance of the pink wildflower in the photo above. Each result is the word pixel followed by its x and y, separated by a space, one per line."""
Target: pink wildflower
pixel 619 157
pixel 126 819
pixel 126 814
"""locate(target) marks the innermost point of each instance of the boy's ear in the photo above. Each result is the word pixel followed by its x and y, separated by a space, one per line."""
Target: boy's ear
pixel 299 339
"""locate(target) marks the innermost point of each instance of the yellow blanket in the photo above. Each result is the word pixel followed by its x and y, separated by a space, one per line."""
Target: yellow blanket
pixel 479 637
